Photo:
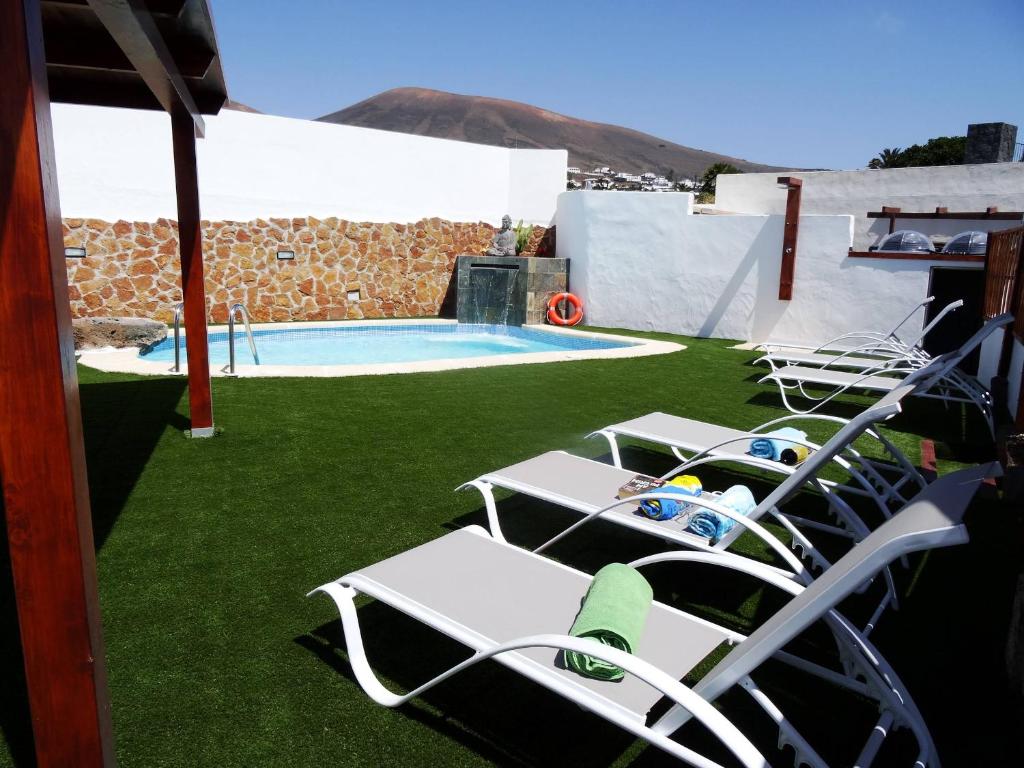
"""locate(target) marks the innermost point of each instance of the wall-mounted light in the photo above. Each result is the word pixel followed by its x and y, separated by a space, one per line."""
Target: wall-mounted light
pixel 353 295
pixel 74 253
pixel 285 255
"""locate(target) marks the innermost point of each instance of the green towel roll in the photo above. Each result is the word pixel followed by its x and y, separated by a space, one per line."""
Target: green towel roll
pixel 614 613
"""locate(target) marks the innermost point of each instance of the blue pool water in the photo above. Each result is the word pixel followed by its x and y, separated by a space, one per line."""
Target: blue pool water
pixel 343 345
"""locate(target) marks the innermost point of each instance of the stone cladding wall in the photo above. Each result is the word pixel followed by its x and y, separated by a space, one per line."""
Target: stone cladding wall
pixel 131 269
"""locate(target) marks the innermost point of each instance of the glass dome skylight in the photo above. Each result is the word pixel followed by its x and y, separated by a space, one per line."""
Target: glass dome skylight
pixel 971 241
pixel 907 240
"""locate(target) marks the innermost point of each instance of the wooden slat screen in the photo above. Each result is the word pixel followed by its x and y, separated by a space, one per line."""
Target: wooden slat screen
pixel 1002 267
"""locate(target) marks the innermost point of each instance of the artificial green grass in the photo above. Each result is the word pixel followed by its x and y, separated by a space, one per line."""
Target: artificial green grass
pixel 207 548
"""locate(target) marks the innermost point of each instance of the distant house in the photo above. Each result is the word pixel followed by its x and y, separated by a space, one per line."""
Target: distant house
pixel 572 169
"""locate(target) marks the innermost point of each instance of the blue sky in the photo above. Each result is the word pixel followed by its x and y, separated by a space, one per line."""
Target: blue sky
pixel 809 84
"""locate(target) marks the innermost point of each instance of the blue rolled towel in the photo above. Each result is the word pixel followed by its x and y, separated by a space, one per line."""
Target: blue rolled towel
pixel 711 525
pixel 666 509
pixel 772 444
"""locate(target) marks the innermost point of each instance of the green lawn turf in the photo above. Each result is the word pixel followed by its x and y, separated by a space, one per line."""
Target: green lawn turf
pixel 207 547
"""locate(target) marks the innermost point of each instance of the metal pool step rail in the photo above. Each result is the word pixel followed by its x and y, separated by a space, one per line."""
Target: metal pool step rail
pixel 178 309
pixel 241 311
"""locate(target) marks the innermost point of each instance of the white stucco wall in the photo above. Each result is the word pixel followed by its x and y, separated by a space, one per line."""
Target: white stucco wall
pixel 117 164
pixel 640 261
pixel 957 187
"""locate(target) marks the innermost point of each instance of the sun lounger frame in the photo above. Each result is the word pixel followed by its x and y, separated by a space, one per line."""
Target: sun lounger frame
pixel 923 524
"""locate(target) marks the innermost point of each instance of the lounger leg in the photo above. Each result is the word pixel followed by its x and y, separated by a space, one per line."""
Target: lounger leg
pixel 874 743
pixel 612 444
pixel 343 598
pixel 703 711
pixel 807 550
pixel 487 491
pixel 864 660
pixel 908 468
pixel 890 597
pixel 804 753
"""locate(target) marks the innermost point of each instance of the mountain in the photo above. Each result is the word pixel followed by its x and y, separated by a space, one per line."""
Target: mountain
pixel 502 123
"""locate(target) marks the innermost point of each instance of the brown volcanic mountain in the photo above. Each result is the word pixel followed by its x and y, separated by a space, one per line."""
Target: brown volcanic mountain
pixel 484 120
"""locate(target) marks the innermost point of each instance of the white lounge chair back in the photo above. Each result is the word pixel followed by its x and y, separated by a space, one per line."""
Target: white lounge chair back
pixel 953 305
pixel 942 365
pixel 893 333
pixel 880 411
pixel 931 519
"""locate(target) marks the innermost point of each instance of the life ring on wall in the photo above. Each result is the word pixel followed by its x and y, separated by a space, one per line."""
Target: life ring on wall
pixel 555 318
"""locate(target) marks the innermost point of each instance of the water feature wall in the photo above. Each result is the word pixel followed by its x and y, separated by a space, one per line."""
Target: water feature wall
pixel 507 290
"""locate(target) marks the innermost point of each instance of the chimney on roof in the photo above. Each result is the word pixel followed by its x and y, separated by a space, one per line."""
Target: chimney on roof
pixel 990 143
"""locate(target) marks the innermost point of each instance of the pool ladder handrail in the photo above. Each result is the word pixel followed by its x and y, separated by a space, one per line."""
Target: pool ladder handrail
pixel 239 309
pixel 178 309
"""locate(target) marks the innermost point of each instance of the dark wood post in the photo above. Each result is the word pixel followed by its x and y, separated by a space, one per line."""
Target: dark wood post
pixel 42 457
pixel 892 213
pixel 789 236
pixel 193 288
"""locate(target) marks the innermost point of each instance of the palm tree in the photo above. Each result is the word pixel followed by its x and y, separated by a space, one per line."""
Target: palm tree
pixel 887 158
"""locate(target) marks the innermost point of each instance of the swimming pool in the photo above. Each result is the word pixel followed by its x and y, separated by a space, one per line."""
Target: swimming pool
pixel 361 345
pixel 370 347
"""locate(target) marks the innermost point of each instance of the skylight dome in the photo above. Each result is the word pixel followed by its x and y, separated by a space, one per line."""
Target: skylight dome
pixel 972 241
pixel 907 240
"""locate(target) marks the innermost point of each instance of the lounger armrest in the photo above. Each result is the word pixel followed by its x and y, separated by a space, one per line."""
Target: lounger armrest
pixel 726 560
pixel 742 439
pixel 680 694
pixel 745 522
pixel 699 708
pixel 797 417
pixel 869 337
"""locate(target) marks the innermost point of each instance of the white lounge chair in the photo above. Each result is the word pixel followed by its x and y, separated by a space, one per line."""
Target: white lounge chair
pixel 516 608
pixel 872 478
pixel 868 356
pixel 938 379
pixel 876 345
pixel 591 488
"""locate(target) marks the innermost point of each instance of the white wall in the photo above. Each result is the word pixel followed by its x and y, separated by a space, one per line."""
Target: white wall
pixel 116 164
pixel 640 261
pixel 957 187
pixel 536 178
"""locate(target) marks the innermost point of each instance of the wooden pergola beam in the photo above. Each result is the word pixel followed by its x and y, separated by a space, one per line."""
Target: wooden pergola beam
pixel 42 455
pixel 133 28
pixel 155 7
pixel 940 213
pixel 66 50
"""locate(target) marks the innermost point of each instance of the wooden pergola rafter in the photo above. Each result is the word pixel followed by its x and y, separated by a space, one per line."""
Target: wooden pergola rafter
pixel 157 54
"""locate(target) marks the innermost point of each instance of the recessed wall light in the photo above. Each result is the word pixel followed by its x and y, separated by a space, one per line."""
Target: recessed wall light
pixel 353 295
pixel 285 255
pixel 74 253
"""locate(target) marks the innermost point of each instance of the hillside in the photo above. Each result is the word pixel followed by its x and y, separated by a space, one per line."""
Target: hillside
pixel 484 120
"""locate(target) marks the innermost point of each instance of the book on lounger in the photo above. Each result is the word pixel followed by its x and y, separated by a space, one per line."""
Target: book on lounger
pixel 639 484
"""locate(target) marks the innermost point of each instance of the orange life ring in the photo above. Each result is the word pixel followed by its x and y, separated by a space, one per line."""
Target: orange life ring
pixel 555 318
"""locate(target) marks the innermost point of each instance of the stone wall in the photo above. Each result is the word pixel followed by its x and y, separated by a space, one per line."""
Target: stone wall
pixel 131 269
pixel 990 143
